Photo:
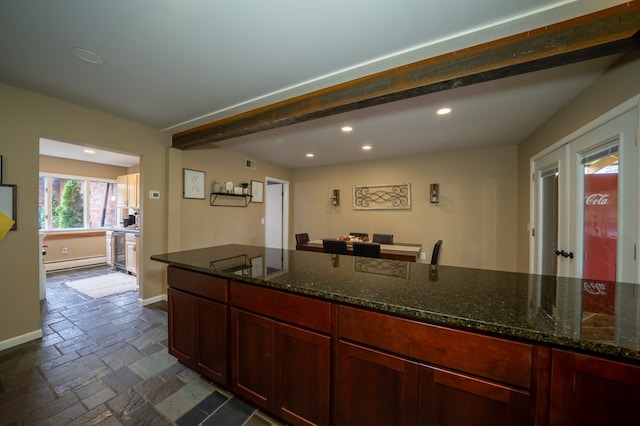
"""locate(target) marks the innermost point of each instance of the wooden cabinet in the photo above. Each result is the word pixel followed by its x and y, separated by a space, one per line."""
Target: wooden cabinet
pixel 374 388
pixel 442 393
pixel 197 320
pixel 131 255
pixel 587 390
pixel 311 362
pixel 109 248
pixel 396 371
pixel 281 367
pixel 127 190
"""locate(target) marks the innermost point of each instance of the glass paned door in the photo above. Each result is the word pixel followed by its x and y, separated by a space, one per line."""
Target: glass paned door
pixel 591 183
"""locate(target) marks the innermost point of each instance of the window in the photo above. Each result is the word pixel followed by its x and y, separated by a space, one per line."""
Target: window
pixel 75 202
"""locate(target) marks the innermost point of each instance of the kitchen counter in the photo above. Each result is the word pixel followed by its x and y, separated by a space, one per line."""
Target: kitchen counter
pixel 515 306
pixel 125 230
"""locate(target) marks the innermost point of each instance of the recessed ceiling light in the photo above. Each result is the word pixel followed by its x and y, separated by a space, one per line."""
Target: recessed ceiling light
pixel 444 111
pixel 89 151
pixel 347 129
pixel 310 155
pixel 366 147
pixel 88 56
pixel 278 140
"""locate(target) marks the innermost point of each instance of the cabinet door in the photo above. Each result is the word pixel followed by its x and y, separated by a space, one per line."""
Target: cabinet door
pixel 442 394
pixel 122 186
pixel 180 324
pixel 587 391
pixel 211 339
pixel 109 248
pixel 252 357
pixel 302 370
pixel 374 388
pixel 131 260
pixel 132 190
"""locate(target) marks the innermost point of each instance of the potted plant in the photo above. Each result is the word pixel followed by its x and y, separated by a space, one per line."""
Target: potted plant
pixel 245 187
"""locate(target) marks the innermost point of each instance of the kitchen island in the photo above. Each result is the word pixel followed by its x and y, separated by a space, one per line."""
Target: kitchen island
pixel 317 338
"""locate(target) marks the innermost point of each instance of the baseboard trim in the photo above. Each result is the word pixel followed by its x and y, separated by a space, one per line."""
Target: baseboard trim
pixel 18 340
pixel 75 263
pixel 152 300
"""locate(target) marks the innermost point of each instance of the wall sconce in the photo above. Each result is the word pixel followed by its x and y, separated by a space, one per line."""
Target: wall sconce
pixel 434 193
pixel 335 197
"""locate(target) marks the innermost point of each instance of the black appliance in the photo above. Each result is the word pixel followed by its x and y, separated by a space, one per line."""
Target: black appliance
pixel 118 248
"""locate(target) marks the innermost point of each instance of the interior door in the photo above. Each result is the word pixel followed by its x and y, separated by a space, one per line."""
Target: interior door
pixel 585 205
pixel 586 226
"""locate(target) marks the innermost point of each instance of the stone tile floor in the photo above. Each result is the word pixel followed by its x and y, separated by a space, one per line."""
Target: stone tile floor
pixel 104 361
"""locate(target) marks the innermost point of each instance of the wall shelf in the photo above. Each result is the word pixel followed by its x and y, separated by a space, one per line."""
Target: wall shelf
pixel 221 199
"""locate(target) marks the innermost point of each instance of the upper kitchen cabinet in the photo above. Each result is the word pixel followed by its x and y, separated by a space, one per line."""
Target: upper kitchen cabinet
pixel 127 194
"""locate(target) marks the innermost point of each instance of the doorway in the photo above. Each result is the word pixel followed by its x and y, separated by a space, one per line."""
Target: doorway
pixel 277 213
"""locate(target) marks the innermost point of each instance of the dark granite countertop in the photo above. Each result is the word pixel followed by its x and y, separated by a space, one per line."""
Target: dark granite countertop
pixel 513 305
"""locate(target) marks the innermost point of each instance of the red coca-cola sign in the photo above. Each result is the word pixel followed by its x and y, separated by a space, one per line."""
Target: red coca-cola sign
pixel 600 242
pixel 597 199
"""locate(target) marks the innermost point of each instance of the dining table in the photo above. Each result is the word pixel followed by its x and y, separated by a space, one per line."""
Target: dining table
pixel 409 252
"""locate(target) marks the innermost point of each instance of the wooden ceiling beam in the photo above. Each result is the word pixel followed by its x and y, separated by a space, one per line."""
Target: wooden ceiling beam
pixel 610 31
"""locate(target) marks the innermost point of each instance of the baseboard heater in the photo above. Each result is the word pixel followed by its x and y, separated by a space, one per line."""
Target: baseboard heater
pixel 75 263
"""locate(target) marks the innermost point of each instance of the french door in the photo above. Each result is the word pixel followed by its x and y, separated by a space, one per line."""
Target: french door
pixel 585 205
pixel 585 226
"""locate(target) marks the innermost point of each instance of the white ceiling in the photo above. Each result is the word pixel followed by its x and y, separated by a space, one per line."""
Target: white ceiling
pixel 175 65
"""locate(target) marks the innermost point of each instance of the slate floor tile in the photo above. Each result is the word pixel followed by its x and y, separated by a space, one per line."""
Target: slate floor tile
pixel 104 361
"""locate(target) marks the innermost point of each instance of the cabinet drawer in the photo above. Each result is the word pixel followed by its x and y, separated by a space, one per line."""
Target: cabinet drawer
pixel 489 357
pixel 300 310
pixel 204 285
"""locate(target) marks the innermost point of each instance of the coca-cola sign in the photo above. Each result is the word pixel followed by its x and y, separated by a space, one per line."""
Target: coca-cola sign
pixel 597 199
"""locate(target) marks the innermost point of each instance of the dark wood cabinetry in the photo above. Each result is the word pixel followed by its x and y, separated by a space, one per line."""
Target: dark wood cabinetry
pixel 198 322
pixel 279 366
pixel 310 361
pixel 587 390
pixel 405 374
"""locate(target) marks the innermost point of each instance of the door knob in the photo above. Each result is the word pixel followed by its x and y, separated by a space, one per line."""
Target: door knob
pixel 564 254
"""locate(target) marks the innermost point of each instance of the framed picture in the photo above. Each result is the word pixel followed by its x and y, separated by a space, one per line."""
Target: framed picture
pixel 257 190
pixel 8 202
pixel 193 184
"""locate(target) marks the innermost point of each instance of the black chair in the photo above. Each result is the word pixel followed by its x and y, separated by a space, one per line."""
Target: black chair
pixel 334 246
pixel 360 234
pixel 383 238
pixel 436 252
pixel 366 249
pixel 302 238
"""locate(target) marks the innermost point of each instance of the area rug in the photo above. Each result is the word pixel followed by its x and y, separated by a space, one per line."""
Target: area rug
pixel 105 285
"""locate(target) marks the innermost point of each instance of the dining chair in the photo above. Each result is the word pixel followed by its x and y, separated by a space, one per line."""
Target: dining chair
pixel 334 246
pixel 436 252
pixel 302 238
pixel 359 234
pixel 366 249
pixel 383 238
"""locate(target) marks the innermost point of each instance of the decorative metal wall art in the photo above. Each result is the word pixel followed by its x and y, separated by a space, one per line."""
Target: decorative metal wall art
pixel 382 197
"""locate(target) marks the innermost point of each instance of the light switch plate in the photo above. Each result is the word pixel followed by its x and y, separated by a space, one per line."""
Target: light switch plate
pixel 154 195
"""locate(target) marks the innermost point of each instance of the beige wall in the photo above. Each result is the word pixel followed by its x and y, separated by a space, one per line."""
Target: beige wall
pixel 475 218
pixel 77 245
pixel 202 225
pixel 25 118
pixel 80 168
pixel 618 84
